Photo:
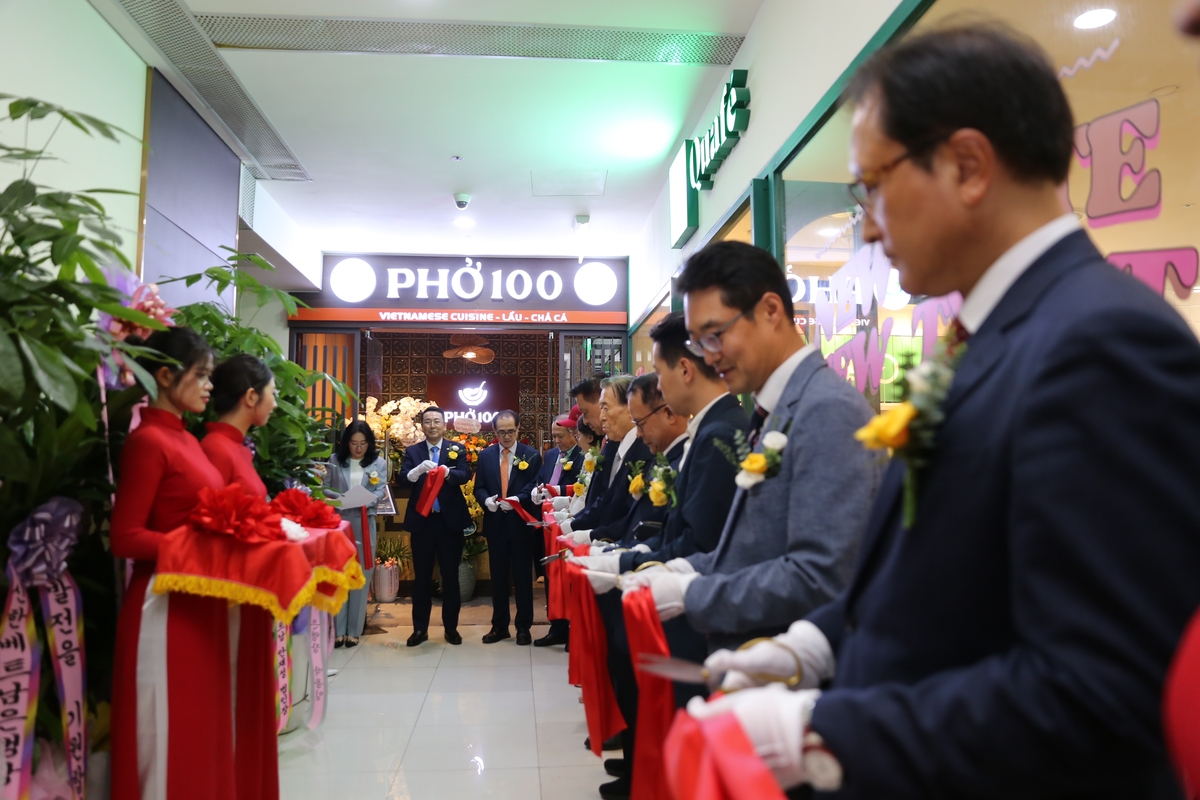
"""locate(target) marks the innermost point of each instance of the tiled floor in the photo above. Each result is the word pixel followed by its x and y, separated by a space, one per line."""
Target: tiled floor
pixel 437 722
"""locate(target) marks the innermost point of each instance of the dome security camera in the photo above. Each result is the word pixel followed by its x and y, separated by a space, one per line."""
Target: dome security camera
pixel 461 200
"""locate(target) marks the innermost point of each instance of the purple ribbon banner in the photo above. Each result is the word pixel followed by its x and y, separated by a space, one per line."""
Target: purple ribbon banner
pixel 38 550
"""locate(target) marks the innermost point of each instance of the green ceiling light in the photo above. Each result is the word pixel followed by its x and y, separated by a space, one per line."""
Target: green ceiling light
pixel 637 139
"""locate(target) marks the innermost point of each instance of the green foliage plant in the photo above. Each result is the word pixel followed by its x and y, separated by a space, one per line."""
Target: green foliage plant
pixel 290 444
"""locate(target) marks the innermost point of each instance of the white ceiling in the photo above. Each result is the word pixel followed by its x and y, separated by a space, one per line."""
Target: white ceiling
pixel 376 131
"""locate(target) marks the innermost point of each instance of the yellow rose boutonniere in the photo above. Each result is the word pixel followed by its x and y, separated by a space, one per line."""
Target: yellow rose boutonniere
pixel 453 454
pixel 755 463
pixel 580 489
pixel 637 485
pixel 522 464
pixel 889 429
pixel 589 465
pixel 754 468
pixel 568 465
pixel 373 479
pixel 658 493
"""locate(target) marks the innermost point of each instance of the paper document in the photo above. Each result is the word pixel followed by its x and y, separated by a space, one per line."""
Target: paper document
pixel 357 497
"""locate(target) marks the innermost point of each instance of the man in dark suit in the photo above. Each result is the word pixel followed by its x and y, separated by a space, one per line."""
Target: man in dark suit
pixel 705 484
pixel 508 469
pixel 1008 629
pixel 586 395
pixel 613 498
pixel 662 431
pixel 554 469
pixel 438 536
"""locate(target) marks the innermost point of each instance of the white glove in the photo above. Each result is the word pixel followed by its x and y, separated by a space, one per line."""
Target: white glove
pixel 602 582
pixel 491 504
pixel 640 547
pixel 538 495
pixel 803 647
pixel 636 580
pixel 580 537
pixel 775 721
pixel 419 470
pixel 682 566
pixel 429 466
pixel 669 589
pixel 561 503
pixel 605 562
pixel 564 522
pixel 504 505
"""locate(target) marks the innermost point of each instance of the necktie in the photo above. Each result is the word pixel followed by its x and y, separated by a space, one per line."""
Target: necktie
pixel 433 456
pixel 956 336
pixel 503 473
pixel 556 476
pixel 756 422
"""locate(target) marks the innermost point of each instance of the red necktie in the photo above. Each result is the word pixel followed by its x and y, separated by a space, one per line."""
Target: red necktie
pixel 956 336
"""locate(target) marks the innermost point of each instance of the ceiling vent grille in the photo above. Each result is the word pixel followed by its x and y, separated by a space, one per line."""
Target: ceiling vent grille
pixel 467 39
pixel 170 26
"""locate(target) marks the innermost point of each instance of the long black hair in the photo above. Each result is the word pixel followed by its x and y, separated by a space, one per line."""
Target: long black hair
pixel 235 376
pixel 182 345
pixel 585 430
pixel 343 448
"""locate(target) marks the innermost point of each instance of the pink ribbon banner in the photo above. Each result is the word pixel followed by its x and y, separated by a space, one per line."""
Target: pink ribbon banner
pixel 316 649
pixel 283 673
pixel 61 605
pixel 19 665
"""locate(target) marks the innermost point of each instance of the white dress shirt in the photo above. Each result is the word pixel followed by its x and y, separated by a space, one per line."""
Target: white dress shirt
pixel 694 426
pixel 1001 275
pixel 768 396
pixel 622 449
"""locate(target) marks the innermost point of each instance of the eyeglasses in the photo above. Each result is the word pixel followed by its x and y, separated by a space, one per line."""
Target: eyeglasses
pixel 509 432
pixel 865 191
pixel 640 422
pixel 711 341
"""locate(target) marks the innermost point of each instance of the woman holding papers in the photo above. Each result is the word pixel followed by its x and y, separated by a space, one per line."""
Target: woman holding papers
pixel 356 463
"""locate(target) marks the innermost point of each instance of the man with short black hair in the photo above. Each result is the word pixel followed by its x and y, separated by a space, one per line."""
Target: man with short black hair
pixel 1031 561
pixel 439 534
pixel 505 475
pixel 791 537
pixel 586 395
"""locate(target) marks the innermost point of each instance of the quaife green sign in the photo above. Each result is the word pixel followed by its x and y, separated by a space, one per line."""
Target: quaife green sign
pixel 711 150
pixel 699 159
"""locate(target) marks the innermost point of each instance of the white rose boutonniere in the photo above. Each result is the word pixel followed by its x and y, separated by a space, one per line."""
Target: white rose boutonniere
pixel 754 468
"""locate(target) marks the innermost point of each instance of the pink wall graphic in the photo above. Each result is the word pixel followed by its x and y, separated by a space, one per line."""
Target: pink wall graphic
pixel 860 281
pixel 865 352
pixel 1099 146
pixel 1151 268
pixel 928 313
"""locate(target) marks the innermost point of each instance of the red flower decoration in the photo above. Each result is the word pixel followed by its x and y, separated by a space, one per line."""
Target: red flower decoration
pixel 233 512
pixel 305 510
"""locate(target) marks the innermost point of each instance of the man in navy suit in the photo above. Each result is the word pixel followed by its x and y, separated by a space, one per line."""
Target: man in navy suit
pixel 586 395
pixel 1011 640
pixel 553 469
pixel 438 536
pixel 609 502
pixel 508 469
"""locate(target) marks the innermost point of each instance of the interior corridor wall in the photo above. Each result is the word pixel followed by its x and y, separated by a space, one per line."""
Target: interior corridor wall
pixel 794 51
pixel 192 184
pixel 63 52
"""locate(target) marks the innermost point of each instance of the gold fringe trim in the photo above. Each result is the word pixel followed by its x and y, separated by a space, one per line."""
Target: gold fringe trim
pixel 351 577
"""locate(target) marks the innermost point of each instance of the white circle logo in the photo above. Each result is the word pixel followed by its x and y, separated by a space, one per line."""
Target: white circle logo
pixel 352 280
pixel 475 396
pixel 595 283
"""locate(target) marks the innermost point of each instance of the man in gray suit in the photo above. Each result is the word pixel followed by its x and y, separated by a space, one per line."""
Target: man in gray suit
pixel 791 538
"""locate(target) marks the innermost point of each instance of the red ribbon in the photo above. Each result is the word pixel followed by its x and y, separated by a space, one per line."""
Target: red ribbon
pixel 712 759
pixel 556 601
pixel 569 602
pixel 590 646
pixel 429 492
pixel 368 556
pixel 520 509
pixel 656 696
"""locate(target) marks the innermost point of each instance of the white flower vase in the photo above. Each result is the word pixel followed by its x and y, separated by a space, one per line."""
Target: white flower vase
pixel 386 583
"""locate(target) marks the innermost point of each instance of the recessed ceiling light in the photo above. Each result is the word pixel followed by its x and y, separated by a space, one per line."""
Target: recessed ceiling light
pixel 1163 91
pixel 464 222
pixel 1096 18
pixel 456 158
pixel 829 232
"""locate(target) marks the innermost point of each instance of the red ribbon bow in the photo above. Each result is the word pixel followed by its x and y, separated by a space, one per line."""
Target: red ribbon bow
pixel 234 512
pixel 305 510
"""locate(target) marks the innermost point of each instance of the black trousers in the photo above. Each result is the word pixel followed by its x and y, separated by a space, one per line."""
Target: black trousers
pixel 441 543
pixel 620 670
pixel 510 558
